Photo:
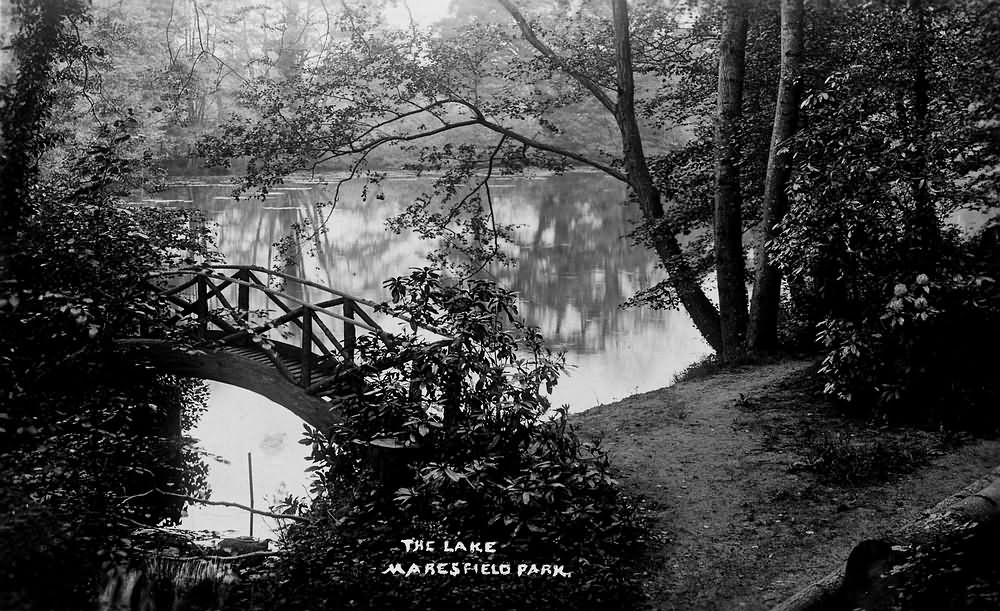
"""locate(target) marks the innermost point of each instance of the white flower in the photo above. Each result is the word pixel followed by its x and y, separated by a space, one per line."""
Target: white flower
pixel 920 303
pixel 922 279
pixel 896 304
pixel 899 290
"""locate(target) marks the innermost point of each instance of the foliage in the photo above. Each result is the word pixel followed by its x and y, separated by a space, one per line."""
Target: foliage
pixel 81 426
pixel 959 571
pixel 704 367
pixel 173 68
pixel 925 356
pixel 796 329
pixel 687 95
pixel 27 98
pixel 845 460
pixel 906 307
pixel 466 101
pixel 856 191
pixel 452 439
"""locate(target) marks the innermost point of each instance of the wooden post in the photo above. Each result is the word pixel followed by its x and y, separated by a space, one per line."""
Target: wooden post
pixel 349 330
pixel 243 295
pixel 201 306
pixel 250 473
pixel 307 340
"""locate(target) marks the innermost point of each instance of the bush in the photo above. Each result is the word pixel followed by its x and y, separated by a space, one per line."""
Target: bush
pixel 845 460
pixel 796 328
pixel 483 459
pixel 80 428
pixel 929 354
pixel 704 367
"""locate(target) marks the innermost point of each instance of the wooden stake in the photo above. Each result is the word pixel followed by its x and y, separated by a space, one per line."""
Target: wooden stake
pixel 250 472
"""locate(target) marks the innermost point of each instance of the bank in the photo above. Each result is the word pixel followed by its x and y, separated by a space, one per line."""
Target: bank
pixel 759 486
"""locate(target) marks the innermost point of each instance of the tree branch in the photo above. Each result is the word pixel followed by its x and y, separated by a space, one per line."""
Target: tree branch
pixel 235 558
pixel 551 148
pixel 484 184
pixel 555 58
pixel 478 119
pixel 350 150
pixel 268 514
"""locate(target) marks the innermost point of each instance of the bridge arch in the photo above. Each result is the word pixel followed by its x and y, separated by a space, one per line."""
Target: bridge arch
pixel 237 369
pixel 242 327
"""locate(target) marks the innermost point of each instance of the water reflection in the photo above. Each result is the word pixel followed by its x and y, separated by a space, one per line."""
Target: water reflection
pixel 240 422
pixel 573 270
pixel 573 267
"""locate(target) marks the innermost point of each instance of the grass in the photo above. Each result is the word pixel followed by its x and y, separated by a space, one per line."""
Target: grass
pixel 704 367
pixel 848 459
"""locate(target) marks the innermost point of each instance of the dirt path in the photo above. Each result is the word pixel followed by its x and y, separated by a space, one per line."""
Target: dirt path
pixel 744 528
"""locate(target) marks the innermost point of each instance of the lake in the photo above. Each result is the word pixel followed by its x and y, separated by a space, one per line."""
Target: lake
pixel 573 270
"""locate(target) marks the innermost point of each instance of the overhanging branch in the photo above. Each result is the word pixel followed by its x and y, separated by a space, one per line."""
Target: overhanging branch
pixel 545 50
pixel 478 119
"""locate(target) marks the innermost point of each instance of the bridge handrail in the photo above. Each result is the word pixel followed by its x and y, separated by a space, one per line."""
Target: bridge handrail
pixel 211 281
pixel 271 272
pixel 256 268
pixel 270 291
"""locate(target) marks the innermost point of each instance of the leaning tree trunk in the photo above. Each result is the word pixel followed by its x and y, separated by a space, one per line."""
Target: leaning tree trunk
pixel 682 277
pixel 767 281
pixel 728 200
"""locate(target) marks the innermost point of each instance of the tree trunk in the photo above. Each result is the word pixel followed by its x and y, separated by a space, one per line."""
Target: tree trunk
pixel 767 282
pixel 682 277
pixel 728 200
pixel 923 228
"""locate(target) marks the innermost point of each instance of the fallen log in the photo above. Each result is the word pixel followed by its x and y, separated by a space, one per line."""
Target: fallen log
pixel 976 503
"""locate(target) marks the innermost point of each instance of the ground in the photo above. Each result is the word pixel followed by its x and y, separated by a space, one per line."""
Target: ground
pixel 733 466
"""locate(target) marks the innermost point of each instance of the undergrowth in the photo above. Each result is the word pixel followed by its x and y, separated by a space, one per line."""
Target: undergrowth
pixel 848 459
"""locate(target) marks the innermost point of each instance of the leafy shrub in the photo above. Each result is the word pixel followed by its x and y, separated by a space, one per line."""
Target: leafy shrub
pixel 796 328
pixel 702 368
pixel 867 205
pixel 80 427
pixel 877 172
pixel 928 355
pixel 453 439
pixel 845 460
pixel 960 571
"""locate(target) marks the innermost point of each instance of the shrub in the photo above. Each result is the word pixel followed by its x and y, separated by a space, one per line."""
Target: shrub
pixel 846 460
pixel 484 459
pixel 704 367
pixel 81 428
pixel 928 354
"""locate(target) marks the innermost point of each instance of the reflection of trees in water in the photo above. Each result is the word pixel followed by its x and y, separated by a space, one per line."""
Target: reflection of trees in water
pixel 573 266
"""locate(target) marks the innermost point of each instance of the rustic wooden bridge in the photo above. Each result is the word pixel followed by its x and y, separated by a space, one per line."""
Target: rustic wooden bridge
pixel 259 329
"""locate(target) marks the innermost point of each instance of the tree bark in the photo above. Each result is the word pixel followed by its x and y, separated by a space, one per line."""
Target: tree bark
pixel 923 228
pixel 767 281
pixel 729 262
pixel 664 240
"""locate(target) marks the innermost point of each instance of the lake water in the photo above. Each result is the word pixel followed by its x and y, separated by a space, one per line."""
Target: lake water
pixel 573 269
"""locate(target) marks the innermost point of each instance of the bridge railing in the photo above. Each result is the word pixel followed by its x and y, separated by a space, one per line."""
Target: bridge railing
pixel 233 306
